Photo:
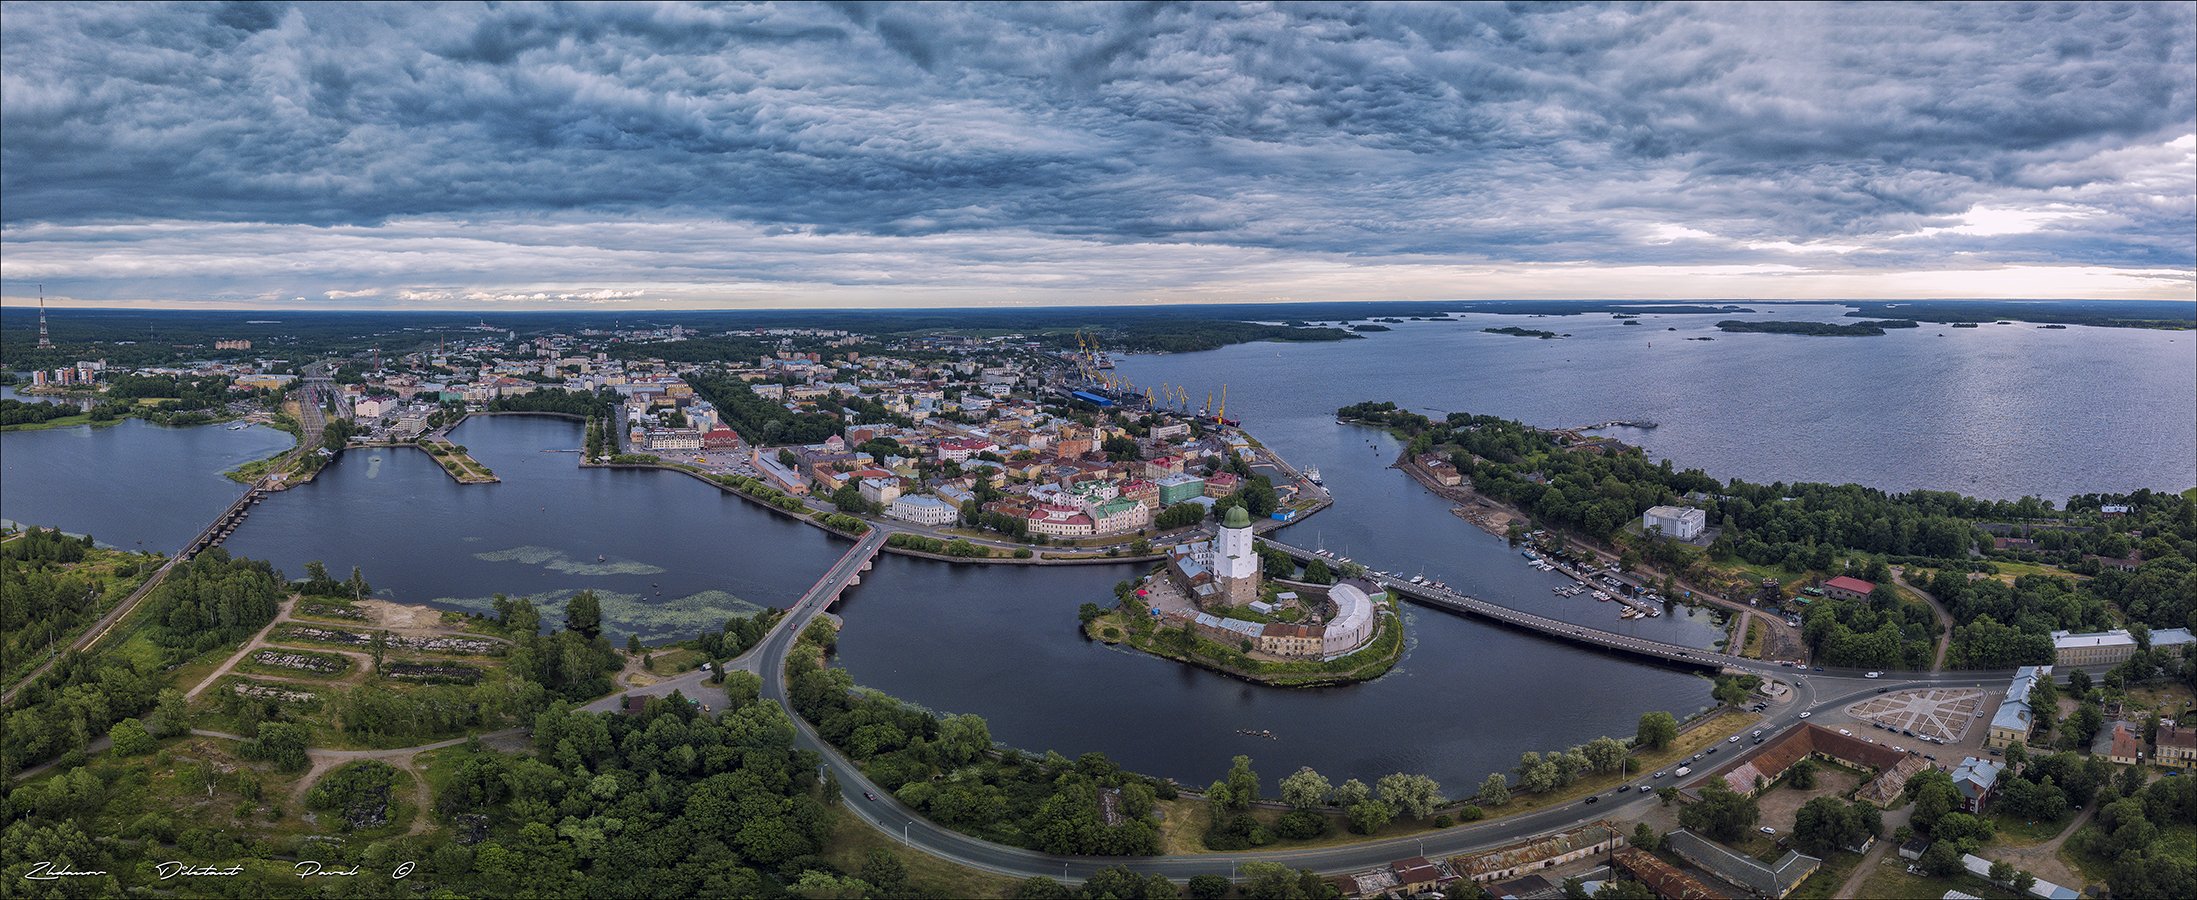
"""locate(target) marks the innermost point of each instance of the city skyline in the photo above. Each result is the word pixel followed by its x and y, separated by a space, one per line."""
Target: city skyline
pixel 674 157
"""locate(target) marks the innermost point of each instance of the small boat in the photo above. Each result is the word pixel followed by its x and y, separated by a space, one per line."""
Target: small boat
pixel 598 557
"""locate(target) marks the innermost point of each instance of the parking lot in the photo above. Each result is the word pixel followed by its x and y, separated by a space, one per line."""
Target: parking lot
pixel 1943 715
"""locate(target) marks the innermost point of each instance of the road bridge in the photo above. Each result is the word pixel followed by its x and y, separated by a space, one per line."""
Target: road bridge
pixel 1441 598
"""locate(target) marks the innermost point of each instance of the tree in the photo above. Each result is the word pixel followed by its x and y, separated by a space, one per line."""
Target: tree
pixel 1270 880
pixel 1305 789
pixel 1722 813
pixel 1624 889
pixel 1657 731
pixel 1039 887
pixel 1824 824
pixel 1667 794
pixel 1941 860
pixel 171 714
pixel 1495 791
pixel 1644 836
pixel 1317 572
pixel 2002 872
pixel 1415 796
pixel 1802 773
pixel 584 614
pixel 1605 754
pixel 1369 816
pixel 1243 782
pixel 1209 887
pixel 130 738
pixel 1350 793
pixel 633 645
pixel 2023 881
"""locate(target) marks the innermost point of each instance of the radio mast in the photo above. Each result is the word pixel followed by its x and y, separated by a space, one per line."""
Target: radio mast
pixel 44 342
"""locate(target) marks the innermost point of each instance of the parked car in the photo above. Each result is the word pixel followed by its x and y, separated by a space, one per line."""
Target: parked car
pixel 1767 830
pixel 1874 675
pixel 1845 732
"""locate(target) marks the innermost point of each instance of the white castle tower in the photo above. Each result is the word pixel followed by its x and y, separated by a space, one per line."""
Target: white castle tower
pixel 1235 563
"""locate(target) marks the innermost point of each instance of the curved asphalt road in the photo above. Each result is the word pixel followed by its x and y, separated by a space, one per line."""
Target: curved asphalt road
pixel 1813 691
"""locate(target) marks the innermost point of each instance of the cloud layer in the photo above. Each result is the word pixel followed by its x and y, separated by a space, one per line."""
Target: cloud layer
pixel 875 154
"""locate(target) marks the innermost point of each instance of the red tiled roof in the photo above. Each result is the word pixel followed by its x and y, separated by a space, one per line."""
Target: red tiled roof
pixel 1849 583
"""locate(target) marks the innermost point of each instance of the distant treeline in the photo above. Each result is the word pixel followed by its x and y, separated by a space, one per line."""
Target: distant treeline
pixel 1821 329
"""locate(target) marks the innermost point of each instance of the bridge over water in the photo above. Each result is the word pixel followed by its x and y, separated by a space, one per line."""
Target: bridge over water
pixel 1440 598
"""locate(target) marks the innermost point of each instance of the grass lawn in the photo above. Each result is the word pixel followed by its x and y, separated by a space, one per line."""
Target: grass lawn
pixel 2012 569
pixel 1756 630
pixel 1828 878
pixel 671 661
pixel 2018 832
pixel 1184 821
pixel 852 840
pixel 1891 880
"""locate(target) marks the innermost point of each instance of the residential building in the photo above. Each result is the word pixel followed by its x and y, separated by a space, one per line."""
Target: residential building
pixel 2177 746
pixel 2011 724
pixel 2122 744
pixel 1120 516
pixel 1976 778
pixel 1221 484
pixel 1162 466
pixel 881 490
pixel 2109 648
pixel 1682 522
pixel 1775 880
pixel 920 510
pixel 1054 520
pixel 1847 587
pixel 1178 487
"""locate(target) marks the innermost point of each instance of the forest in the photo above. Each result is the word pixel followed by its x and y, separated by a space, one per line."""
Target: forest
pixel 947 767
pixel 2141 558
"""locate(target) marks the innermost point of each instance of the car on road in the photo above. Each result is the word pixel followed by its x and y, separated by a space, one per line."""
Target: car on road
pixel 1712 749
pixel 1806 714
pixel 1734 739
pixel 1758 740
pixel 1657 775
pixel 1622 788
pixel 1594 799
pixel 1874 675
pixel 1883 690
pixel 867 795
pixel 1758 732
pixel 1819 668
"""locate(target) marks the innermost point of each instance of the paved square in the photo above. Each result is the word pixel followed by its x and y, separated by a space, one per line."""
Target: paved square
pixel 1942 713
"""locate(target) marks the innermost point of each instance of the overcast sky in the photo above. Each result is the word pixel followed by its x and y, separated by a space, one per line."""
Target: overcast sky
pixel 579 156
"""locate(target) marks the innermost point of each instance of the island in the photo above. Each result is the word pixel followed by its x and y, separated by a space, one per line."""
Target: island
pixel 1521 332
pixel 1211 605
pixel 1815 329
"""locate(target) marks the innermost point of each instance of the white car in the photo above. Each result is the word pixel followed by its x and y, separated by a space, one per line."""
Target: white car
pixel 1845 732
pixel 1806 714
pixel 1874 675
pixel 1768 830
pixel 1734 739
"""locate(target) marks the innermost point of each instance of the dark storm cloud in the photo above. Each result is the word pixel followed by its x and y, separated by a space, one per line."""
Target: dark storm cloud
pixel 1534 134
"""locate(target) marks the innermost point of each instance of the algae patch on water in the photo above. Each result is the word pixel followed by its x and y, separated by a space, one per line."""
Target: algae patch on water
pixel 558 561
pixel 653 618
